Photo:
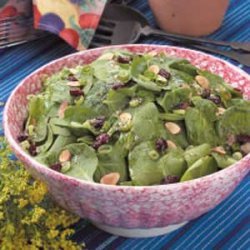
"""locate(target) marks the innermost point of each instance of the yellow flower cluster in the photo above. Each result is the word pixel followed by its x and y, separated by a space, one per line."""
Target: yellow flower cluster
pixel 29 219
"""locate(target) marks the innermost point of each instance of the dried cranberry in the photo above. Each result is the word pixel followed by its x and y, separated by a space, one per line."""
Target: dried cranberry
pixel 243 138
pixel 100 140
pixel 123 59
pixel 22 137
pixel 238 90
pixel 76 92
pixel 57 167
pixel 32 150
pixel 98 122
pixel 118 85
pixel 161 145
pixel 182 105
pixel 205 93
pixel 72 78
pixel 215 99
pixel 170 179
pixel 164 74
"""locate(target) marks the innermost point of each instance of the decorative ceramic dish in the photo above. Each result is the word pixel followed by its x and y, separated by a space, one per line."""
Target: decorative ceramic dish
pixel 127 210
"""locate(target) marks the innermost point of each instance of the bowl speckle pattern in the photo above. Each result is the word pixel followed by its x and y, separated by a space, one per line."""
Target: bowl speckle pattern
pixel 129 207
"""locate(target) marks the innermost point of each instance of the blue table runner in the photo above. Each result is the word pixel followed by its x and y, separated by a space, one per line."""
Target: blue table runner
pixel 225 227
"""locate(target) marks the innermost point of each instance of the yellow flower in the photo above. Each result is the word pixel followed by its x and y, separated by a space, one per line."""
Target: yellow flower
pixel 29 219
pixel 38 212
pixel 22 203
pixel 52 234
pixel 36 194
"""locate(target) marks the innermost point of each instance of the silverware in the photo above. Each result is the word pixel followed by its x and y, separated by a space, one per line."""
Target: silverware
pixel 124 2
pixel 115 29
pixel 242 58
pixel 17 30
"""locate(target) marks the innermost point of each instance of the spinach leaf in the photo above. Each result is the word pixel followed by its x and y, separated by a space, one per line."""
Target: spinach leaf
pixel 96 96
pixel 146 122
pixel 207 107
pixel 78 113
pixel 57 130
pixel 204 166
pixel 179 139
pixel 195 153
pixel 173 163
pixel 223 161
pixel 51 156
pixel 116 100
pixel 83 162
pixel 105 70
pixel 184 66
pixel 111 159
pixel 146 83
pixel 37 110
pixel 86 78
pixel 145 95
pixel 178 78
pixel 172 116
pixel 57 90
pixel 218 86
pixel 138 66
pixel 235 120
pixel 142 168
pixel 49 140
pixel 127 140
pixel 238 101
pixel 176 96
pixel 199 129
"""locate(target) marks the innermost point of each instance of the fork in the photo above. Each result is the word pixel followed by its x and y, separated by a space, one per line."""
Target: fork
pixel 110 32
pixel 21 32
pixel 124 2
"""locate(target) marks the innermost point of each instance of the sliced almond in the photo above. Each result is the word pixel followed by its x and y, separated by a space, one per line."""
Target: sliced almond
pixel 152 53
pixel 106 56
pixel 65 156
pixel 73 84
pixel 125 118
pixel 171 145
pixel 220 150
pixel 173 128
pixel 154 68
pixel 185 86
pixel 245 148
pixel 220 111
pixel 110 179
pixel 62 109
pixel 202 81
pixel 231 139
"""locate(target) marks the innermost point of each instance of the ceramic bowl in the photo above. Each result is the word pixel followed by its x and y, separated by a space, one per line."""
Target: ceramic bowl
pixel 129 211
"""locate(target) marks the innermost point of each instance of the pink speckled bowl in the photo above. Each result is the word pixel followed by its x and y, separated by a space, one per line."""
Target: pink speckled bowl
pixel 129 211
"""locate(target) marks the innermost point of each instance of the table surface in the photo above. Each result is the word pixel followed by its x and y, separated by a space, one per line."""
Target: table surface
pixel 225 227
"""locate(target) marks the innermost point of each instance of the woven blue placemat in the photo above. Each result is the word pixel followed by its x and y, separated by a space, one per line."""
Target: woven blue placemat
pixel 225 227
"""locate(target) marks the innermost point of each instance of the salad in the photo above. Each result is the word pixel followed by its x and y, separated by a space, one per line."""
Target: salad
pixel 136 119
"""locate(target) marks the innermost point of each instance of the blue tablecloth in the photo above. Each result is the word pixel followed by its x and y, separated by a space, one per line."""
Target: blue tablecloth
pixel 225 227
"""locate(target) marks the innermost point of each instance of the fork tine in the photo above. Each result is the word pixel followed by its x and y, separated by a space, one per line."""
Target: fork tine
pixel 96 45
pixel 107 22
pixel 102 37
pixel 7 25
pixel 16 30
pixel 103 28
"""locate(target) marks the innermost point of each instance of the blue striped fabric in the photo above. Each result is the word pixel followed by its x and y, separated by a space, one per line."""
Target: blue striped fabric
pixel 225 227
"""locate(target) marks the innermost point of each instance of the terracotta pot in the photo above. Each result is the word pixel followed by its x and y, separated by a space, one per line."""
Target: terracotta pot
pixel 189 17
